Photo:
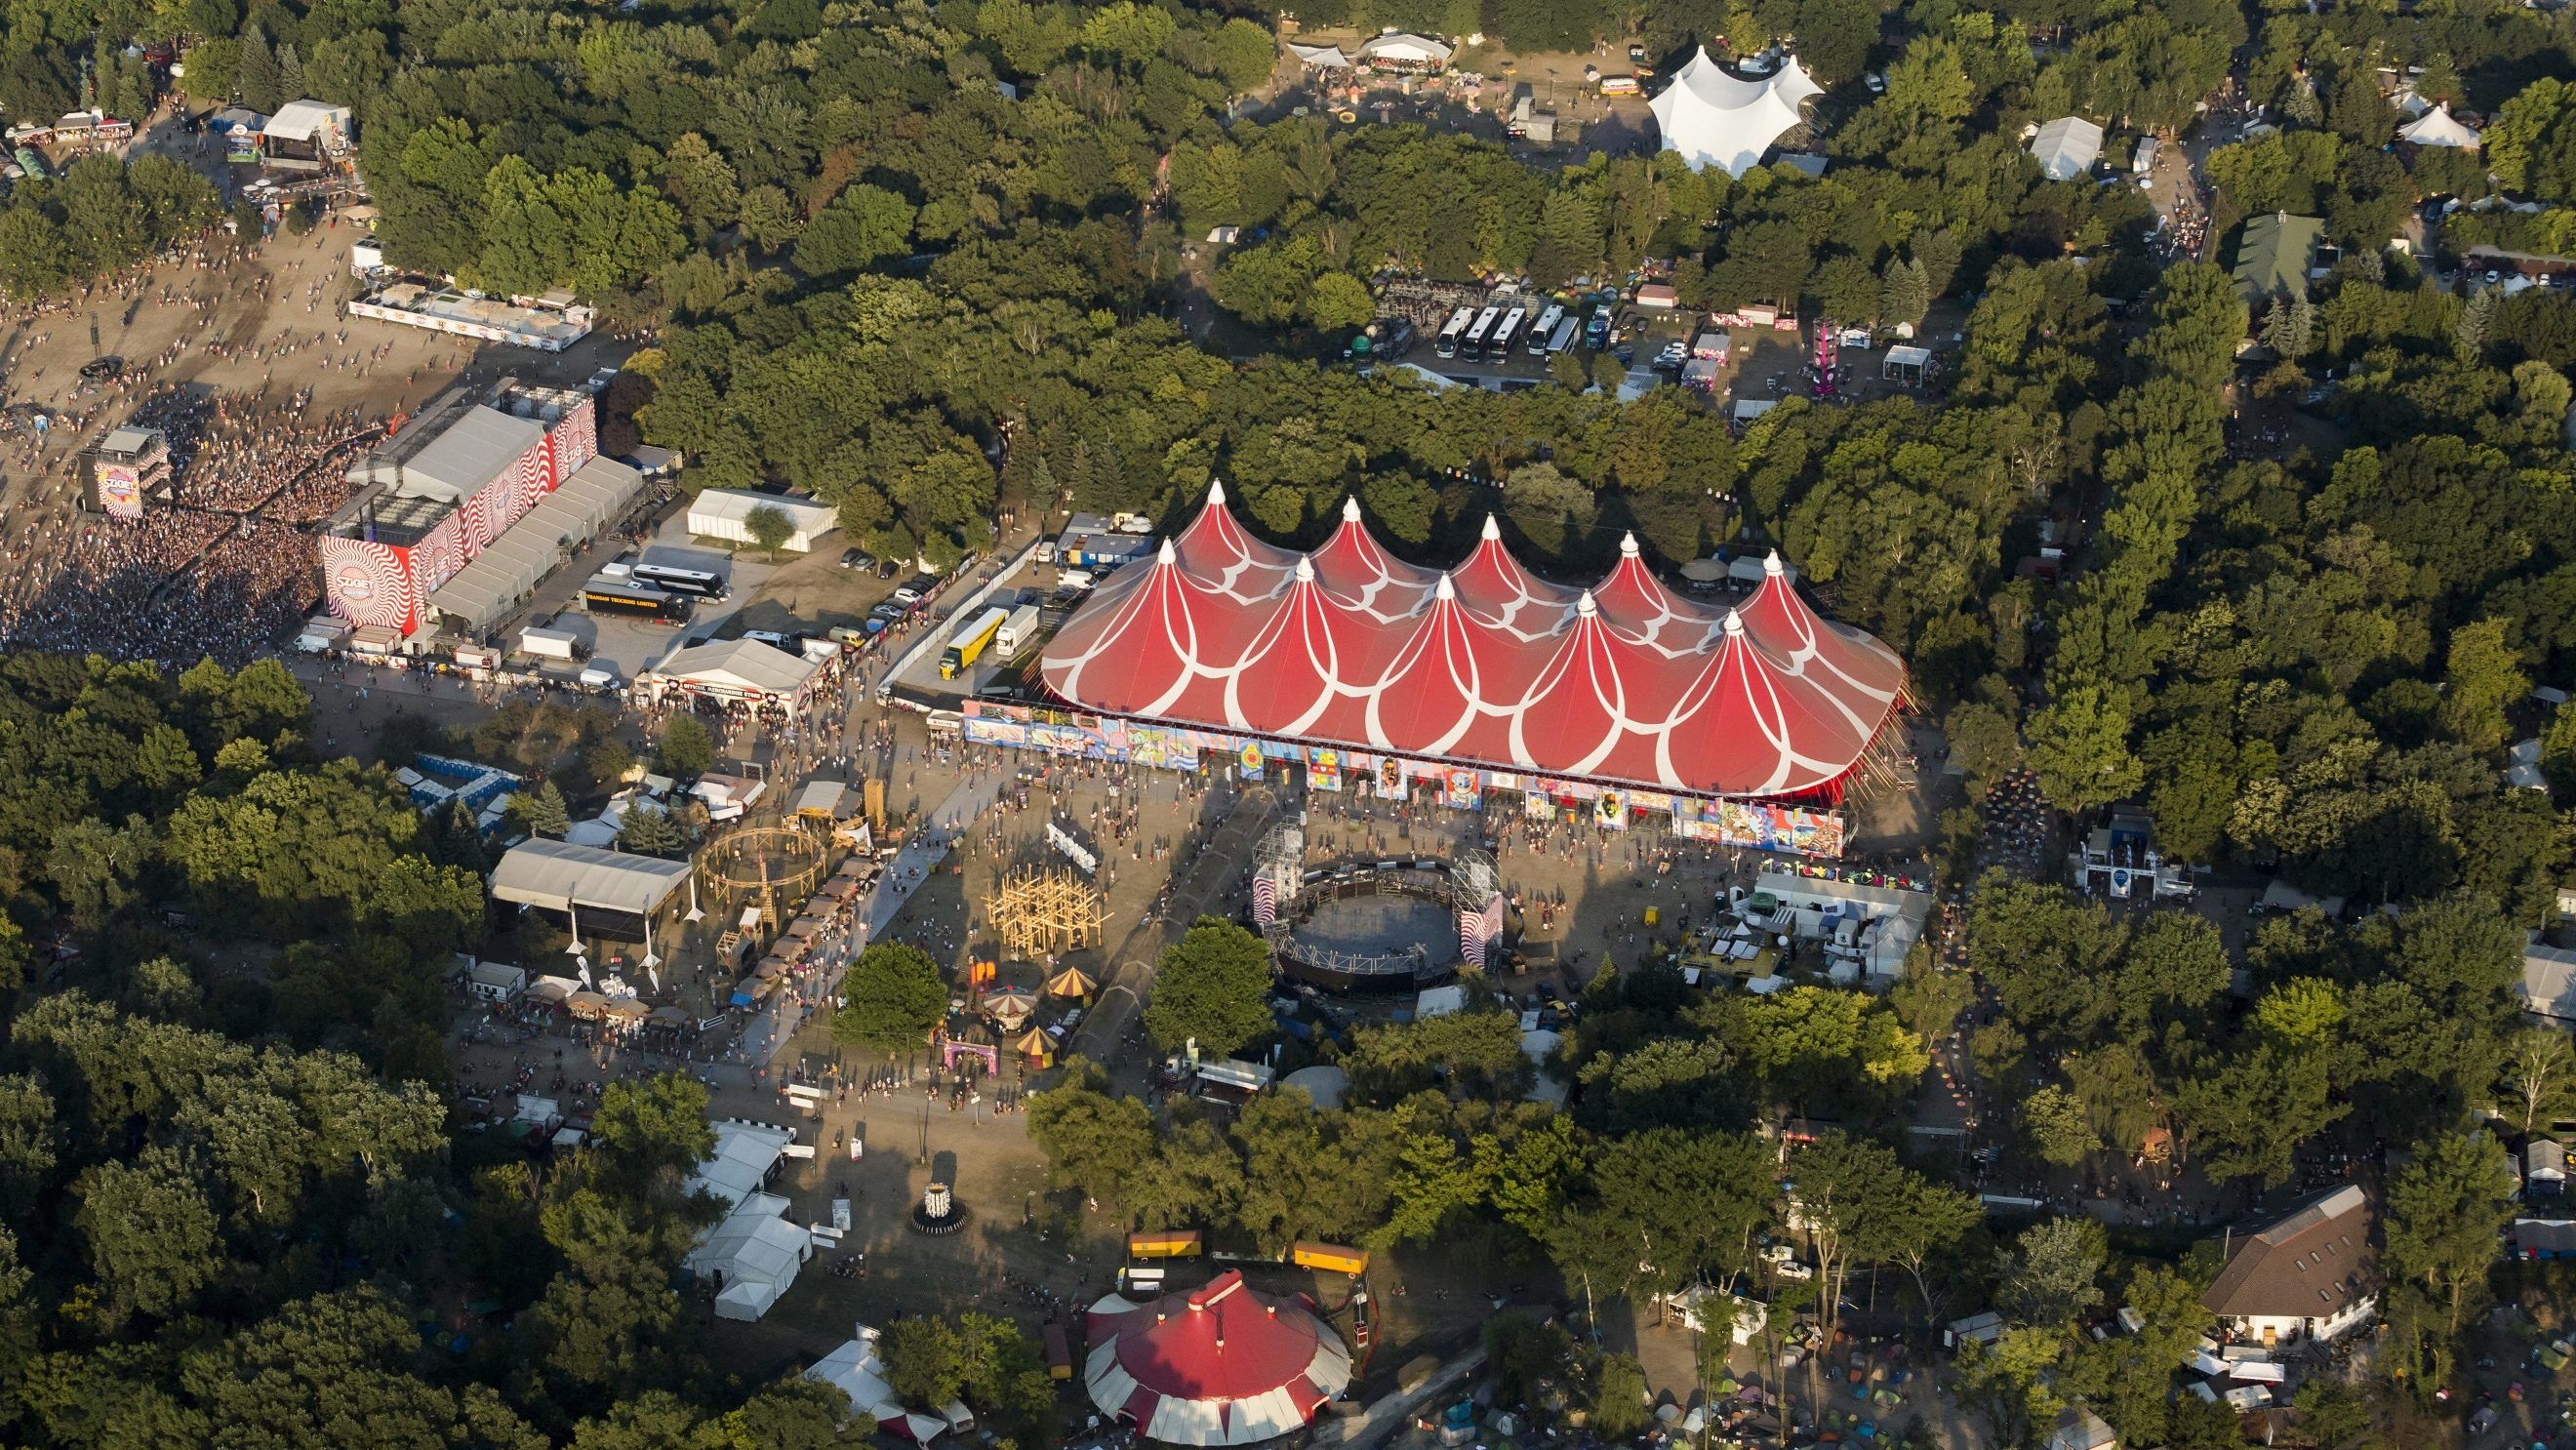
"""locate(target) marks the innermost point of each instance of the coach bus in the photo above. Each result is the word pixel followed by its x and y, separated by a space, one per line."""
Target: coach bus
pixel 1545 328
pixel 607 596
pixel 1473 350
pixel 1507 334
pixel 1562 341
pixel 672 579
pixel 1454 332
pixel 969 642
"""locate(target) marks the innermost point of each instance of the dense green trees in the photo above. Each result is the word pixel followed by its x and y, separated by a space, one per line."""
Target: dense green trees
pixel 1212 988
pixel 890 999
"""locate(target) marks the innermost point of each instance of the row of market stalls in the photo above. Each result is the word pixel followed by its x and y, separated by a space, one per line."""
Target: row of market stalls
pixel 794 952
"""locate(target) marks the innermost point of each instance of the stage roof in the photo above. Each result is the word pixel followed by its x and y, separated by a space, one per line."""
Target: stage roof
pixel 1484 664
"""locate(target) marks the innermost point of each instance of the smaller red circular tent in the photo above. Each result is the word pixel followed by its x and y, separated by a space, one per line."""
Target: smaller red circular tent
pixel 1220 1365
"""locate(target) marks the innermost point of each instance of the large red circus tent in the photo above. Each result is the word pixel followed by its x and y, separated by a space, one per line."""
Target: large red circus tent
pixel 1484 664
pixel 1219 1365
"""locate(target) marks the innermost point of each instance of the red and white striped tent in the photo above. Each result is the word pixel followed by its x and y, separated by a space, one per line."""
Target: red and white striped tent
pixel 1220 1365
pixel 1484 664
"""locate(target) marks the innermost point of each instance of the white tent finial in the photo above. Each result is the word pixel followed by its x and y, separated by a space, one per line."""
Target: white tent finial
pixel 1166 553
pixel 1305 570
pixel 1351 509
pixel 1628 544
pixel 1216 491
pixel 1444 589
pixel 1493 529
pixel 1772 566
pixel 1734 624
pixel 1584 605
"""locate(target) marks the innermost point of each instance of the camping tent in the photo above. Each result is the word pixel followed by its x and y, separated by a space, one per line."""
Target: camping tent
pixel 1716 119
pixel 2067 147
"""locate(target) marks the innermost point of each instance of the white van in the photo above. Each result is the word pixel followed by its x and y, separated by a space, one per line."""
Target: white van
pixel 600 677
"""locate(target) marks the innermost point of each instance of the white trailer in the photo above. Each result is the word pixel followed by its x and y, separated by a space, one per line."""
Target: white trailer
pixel 553 644
pixel 1017 630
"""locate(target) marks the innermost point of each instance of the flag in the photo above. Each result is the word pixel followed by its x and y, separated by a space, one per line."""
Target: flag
pixel 1265 901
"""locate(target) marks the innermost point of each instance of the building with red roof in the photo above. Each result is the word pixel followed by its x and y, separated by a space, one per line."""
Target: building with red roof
pixel 1219 1365
pixel 1626 684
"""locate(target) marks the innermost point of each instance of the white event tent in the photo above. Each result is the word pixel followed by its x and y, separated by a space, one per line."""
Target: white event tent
pixel 855 1371
pixel 1716 119
pixel 2438 127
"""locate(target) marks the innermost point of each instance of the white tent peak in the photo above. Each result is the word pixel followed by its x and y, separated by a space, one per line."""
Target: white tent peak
pixel 1585 607
pixel 1493 529
pixel 1716 118
pixel 1734 623
pixel 1628 544
pixel 1771 563
pixel 1351 509
pixel 1165 553
pixel 1216 491
pixel 1444 589
pixel 2438 127
pixel 1305 570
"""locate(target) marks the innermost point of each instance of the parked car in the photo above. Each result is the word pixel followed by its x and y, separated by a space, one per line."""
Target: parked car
pixel 907 594
pixel 857 559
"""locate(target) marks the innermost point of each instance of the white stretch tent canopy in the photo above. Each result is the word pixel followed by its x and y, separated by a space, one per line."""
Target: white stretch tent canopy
pixel 1320 57
pixel 725 513
pixel 2067 147
pixel 1716 119
pixel 1403 48
pixel 757 1251
pixel 2438 127
pixel 510 567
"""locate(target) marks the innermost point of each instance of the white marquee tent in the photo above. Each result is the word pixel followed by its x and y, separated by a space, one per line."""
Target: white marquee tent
pixel 855 1371
pixel 725 513
pixel 2438 127
pixel 745 1152
pixel 2067 147
pixel 731 669
pixel 757 1251
pixel 1716 119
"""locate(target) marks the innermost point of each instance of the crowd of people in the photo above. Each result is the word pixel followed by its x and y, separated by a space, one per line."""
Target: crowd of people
pixel 222 568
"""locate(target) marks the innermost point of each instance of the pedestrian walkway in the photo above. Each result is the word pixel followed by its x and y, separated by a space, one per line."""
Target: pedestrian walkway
pixel 1202 888
pixel 765 1036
